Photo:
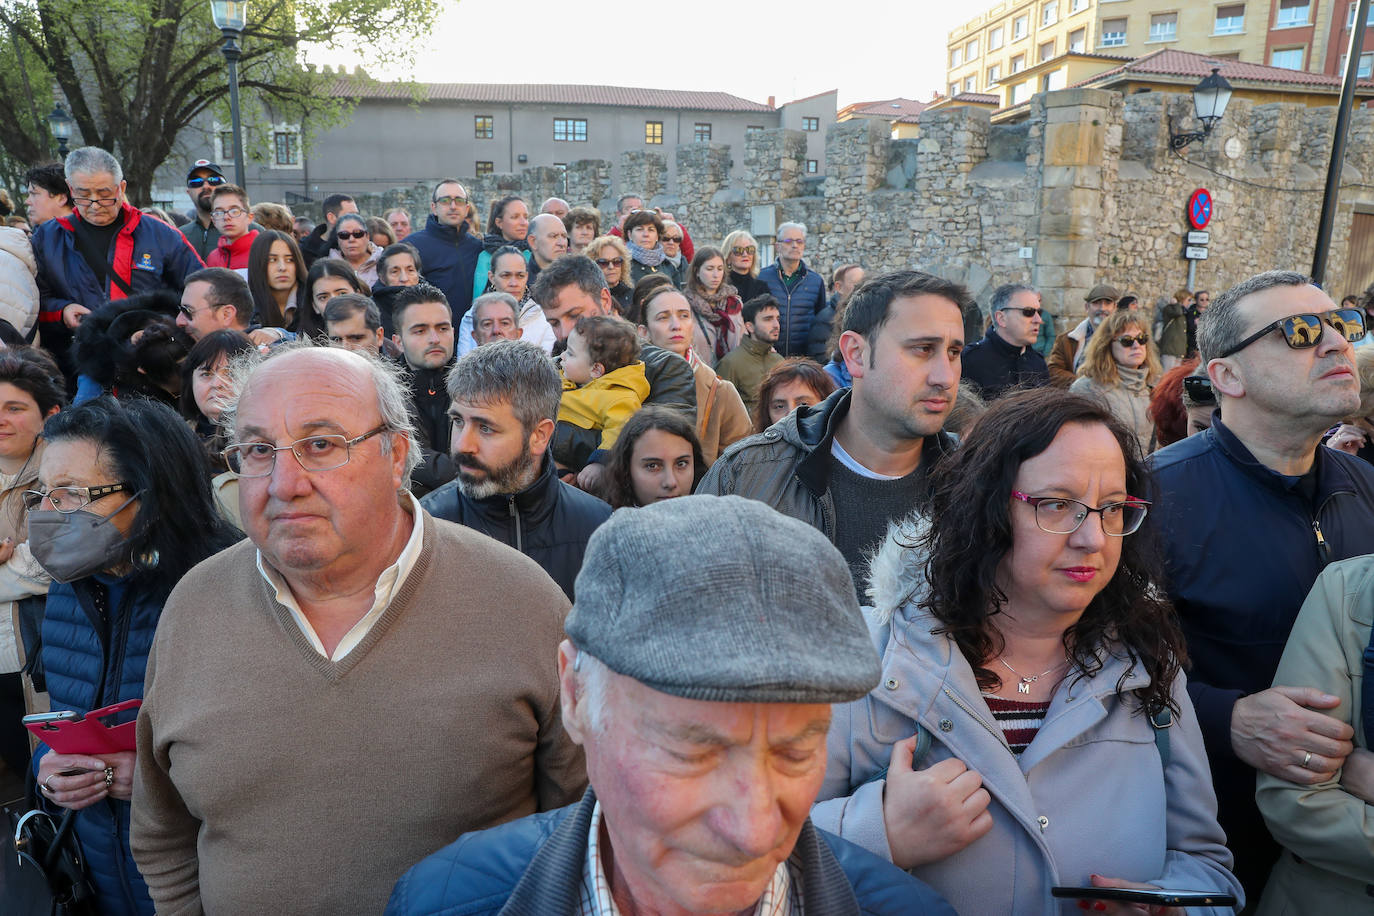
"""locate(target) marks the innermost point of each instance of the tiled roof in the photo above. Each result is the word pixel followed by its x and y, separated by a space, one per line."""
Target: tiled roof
pixel 889 108
pixel 810 97
pixel 544 94
pixel 978 98
pixel 1195 66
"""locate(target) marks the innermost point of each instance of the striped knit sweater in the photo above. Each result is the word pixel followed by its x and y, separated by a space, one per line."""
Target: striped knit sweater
pixel 1018 719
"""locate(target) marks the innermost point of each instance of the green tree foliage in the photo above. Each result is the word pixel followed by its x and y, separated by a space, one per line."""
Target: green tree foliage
pixel 135 73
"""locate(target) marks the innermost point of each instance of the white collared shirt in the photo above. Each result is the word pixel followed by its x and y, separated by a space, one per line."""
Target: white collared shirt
pixel 782 896
pixel 388 585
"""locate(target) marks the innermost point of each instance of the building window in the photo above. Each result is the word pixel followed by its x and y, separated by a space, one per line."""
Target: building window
pixel 1231 19
pixel 226 145
pixel 971 50
pixel 1288 58
pixel 1053 80
pixel 653 132
pixel 286 147
pixel 572 129
pixel 953 89
pixel 1020 27
pixel 483 127
pixel 994 74
pixel 1046 52
pixel 1049 13
pixel 970 83
pixel 1021 92
pixel 1078 6
pixel 995 38
pixel 811 124
pixel 1164 27
pixel 956 56
pixel 1291 13
pixel 1366 63
pixel 1350 17
pixel 758 129
pixel 701 133
pixel 1018 63
pixel 484 168
pixel 1078 41
pixel 812 167
pixel 1113 33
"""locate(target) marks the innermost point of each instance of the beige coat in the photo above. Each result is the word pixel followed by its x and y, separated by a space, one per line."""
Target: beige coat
pixel 721 417
pixel 1327 826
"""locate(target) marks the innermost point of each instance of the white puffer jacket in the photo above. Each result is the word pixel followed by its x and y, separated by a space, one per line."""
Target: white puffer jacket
pixel 18 289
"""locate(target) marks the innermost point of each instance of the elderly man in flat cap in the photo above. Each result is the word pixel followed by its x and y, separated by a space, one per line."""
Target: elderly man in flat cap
pixel 702 702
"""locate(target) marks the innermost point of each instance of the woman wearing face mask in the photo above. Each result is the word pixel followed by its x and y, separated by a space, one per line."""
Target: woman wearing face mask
pixel 351 241
pixel 136 471
pixel 31 389
pixel 1120 367
pixel 205 381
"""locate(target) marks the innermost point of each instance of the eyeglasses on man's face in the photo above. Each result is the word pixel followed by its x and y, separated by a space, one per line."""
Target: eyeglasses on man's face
pixel 1304 330
pixel 313 453
pixel 69 499
pixel 231 213
pixel 450 201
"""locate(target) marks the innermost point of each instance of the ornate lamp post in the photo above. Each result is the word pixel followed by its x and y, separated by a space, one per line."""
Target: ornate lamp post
pixel 1210 98
pixel 231 16
pixel 61 125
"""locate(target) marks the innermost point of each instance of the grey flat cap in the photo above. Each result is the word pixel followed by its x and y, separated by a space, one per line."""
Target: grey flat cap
pixel 722 598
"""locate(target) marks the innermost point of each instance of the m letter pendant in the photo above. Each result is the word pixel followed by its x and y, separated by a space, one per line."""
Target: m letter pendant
pixel 1023 687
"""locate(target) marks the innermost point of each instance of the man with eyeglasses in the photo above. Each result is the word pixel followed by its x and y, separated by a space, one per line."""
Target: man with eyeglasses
pixel 449 252
pixel 1005 358
pixel 105 251
pixel 234 219
pixel 800 291
pixel 1251 511
pixel 201 182
pixel 354 676
pixel 215 299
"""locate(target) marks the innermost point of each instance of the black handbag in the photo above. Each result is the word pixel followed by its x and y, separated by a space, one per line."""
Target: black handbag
pixel 42 871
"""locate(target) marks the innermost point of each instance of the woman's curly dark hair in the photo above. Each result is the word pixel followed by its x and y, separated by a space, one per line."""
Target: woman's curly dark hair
pixel 970 534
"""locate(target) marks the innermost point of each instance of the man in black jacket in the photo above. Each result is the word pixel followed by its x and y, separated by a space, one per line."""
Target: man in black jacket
pixel 448 251
pixel 504 402
pixel 1251 511
pixel 424 332
pixel 1006 357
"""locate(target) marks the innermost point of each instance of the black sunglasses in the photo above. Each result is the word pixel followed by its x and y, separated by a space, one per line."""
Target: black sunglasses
pixel 1126 340
pixel 213 181
pixel 353 234
pixel 1305 330
pixel 1199 388
pixel 1028 312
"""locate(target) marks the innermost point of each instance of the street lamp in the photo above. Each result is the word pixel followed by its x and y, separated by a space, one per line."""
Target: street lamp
pixel 61 124
pixel 231 16
pixel 1210 98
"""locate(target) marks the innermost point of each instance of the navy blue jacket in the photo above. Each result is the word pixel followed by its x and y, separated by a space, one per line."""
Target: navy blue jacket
pixel 995 366
pixel 533 867
pixel 450 259
pixel 89 667
pixel 1242 548
pixel 548 521
pixel 800 306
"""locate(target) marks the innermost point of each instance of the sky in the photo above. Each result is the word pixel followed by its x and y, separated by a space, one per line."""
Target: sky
pixel 867 49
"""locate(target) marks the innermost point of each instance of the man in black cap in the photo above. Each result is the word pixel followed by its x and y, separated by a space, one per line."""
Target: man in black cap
pixel 201 182
pixel 703 712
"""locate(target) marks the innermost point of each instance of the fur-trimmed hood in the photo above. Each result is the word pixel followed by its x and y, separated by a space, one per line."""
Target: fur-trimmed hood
pixel 896 571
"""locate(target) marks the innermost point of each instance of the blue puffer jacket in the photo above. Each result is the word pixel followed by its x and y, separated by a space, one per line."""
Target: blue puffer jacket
pixel 88 669
pixel 450 259
pixel 800 306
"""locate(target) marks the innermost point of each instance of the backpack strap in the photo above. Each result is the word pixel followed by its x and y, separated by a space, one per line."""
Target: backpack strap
pixel 1162 720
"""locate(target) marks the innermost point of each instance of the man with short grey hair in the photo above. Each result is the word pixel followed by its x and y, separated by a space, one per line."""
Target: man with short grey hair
pixel 800 291
pixel 1251 510
pixel 330 684
pixel 1005 358
pixel 504 408
pixel 703 712
pixel 548 241
pixel 495 316
pixel 555 205
pixel 105 251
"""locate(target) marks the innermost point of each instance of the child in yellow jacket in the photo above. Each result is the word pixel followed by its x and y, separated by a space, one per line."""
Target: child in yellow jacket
pixel 603 386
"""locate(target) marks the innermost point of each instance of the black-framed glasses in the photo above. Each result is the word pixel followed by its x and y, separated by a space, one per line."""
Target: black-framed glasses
pixel 1028 312
pixel 232 212
pixel 70 499
pixel 608 262
pixel 353 234
pixel 201 181
pixel 1127 341
pixel 1304 330
pixel 88 201
pixel 313 453
pixel 1060 515
pixel 1199 388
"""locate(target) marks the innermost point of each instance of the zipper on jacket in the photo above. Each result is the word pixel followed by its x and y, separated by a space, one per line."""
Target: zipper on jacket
pixel 515 517
pixel 992 730
pixel 1322 547
pixel 120 638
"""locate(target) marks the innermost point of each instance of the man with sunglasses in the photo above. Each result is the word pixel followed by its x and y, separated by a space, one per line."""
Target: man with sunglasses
pixel 1005 358
pixel 1251 511
pixel 448 251
pixel 201 182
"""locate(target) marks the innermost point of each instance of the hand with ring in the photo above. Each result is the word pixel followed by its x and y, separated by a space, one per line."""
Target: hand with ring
pixel 72 781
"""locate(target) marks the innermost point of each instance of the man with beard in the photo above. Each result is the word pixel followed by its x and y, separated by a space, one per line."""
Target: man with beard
pixel 860 459
pixel 504 403
pixel 201 182
pixel 746 365
pixel 424 331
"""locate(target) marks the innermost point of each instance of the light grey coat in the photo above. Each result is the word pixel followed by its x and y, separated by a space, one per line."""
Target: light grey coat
pixel 1089 796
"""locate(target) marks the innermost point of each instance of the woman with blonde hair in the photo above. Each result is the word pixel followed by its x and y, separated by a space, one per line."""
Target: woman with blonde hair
pixel 611 255
pixel 742 258
pixel 1121 366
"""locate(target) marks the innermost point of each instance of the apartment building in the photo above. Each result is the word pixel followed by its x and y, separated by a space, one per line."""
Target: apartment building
pixel 1016 35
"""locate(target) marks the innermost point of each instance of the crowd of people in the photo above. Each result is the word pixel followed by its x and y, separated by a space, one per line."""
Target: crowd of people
pixel 531 565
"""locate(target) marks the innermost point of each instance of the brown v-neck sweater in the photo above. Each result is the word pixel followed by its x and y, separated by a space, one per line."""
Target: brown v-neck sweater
pixel 273 780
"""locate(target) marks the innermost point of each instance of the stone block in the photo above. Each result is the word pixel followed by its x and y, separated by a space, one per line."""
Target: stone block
pixel 1073 143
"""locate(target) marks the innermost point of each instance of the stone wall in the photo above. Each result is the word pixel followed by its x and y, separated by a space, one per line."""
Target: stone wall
pixel 1087 184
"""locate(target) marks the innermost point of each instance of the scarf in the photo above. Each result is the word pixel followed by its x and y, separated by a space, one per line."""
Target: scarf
pixel 1133 380
pixel 649 257
pixel 721 311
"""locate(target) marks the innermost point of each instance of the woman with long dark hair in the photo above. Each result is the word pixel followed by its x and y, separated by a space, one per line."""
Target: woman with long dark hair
pixel 276 278
pixel 717 305
pixel 657 456
pixel 1033 726
pixel 328 277
pixel 121 511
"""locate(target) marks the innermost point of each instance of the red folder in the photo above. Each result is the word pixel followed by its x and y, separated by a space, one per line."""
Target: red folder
pixel 89 735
